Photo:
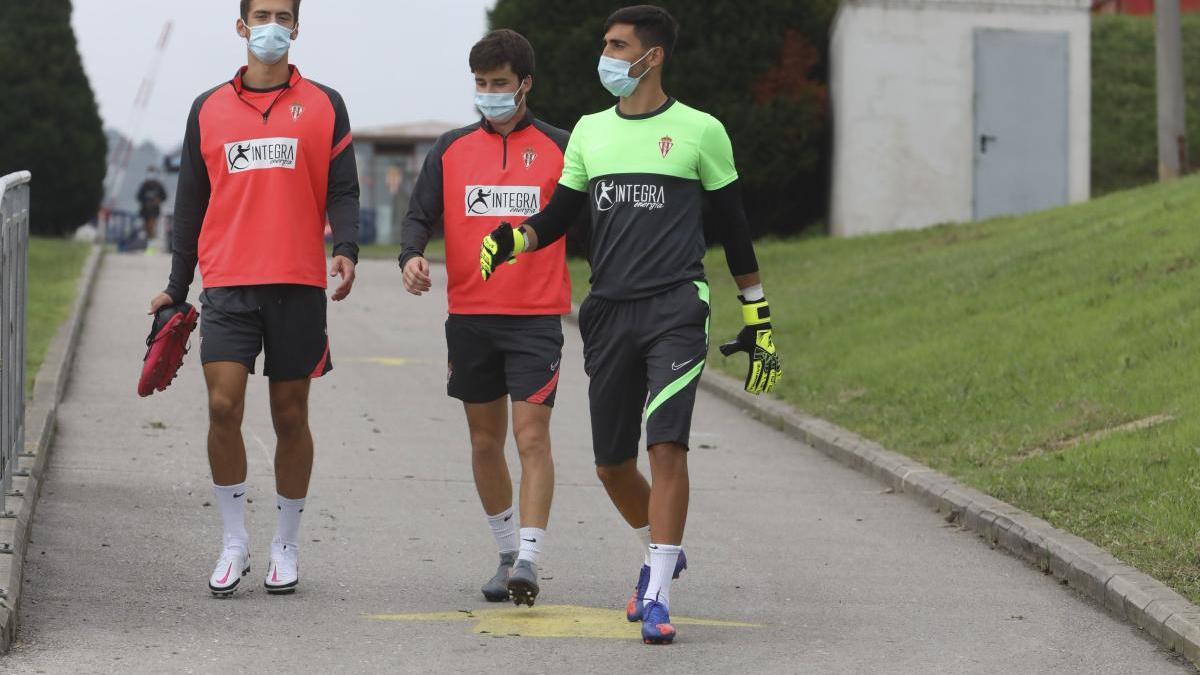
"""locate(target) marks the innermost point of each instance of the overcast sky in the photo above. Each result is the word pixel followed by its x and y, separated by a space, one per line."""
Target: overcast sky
pixel 392 60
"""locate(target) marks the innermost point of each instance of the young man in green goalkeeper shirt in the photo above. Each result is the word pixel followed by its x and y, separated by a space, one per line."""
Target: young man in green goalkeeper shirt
pixel 644 167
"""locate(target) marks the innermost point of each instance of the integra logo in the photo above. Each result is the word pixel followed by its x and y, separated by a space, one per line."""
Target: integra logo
pixel 503 200
pixel 608 194
pixel 261 153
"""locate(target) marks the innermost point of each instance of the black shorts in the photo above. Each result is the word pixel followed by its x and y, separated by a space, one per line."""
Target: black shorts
pixel 643 357
pixel 238 322
pixel 494 356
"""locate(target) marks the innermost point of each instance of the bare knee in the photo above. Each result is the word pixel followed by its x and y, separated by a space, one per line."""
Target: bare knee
pixel 225 412
pixel 290 420
pixel 615 474
pixel 486 443
pixel 533 440
pixel 668 458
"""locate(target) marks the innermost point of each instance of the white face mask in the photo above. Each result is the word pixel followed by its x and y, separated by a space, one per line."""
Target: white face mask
pixel 614 75
pixel 500 107
pixel 270 41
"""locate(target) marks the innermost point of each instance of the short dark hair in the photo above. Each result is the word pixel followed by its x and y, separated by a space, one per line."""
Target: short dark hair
pixel 652 24
pixel 246 9
pixel 500 47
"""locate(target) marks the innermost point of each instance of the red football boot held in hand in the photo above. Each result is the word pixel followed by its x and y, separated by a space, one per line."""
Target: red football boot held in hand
pixel 166 345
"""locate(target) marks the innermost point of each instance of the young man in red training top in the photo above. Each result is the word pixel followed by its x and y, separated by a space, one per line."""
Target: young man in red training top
pixel 504 342
pixel 266 157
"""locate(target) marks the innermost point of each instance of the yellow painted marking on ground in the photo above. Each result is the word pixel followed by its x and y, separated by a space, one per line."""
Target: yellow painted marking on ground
pixel 382 360
pixel 560 621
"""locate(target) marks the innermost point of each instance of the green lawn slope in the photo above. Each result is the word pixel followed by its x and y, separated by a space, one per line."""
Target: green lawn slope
pixel 1012 354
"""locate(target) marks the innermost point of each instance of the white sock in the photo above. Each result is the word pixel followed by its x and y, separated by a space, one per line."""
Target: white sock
pixel 504 529
pixel 231 501
pixel 287 528
pixel 643 535
pixel 662 565
pixel 531 543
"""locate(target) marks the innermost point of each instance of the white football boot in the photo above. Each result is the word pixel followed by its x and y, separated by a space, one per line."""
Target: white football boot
pixel 283 572
pixel 233 564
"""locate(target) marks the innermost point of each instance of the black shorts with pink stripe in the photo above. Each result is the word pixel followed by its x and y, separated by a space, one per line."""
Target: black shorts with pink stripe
pixel 495 356
pixel 286 321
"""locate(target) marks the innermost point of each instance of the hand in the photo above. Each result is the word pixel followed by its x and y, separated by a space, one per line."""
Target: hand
pixel 345 267
pixel 502 245
pixel 158 302
pixel 416 276
pixel 756 339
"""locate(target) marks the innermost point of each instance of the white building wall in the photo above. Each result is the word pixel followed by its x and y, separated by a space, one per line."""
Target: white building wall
pixel 902 82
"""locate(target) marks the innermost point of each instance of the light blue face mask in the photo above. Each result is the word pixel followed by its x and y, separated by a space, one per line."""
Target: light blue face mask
pixel 614 75
pixel 269 42
pixel 497 108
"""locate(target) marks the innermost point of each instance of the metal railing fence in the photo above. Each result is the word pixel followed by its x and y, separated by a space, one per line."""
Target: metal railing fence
pixel 14 296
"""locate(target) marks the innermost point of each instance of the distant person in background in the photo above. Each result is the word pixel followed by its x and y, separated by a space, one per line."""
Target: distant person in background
pixel 150 197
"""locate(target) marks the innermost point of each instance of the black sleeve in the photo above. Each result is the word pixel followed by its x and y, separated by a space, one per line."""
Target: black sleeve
pixel 554 220
pixel 426 205
pixel 161 190
pixel 734 229
pixel 342 203
pixel 191 203
pixel 579 227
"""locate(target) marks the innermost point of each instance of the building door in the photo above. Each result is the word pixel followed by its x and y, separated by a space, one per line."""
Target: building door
pixel 1021 121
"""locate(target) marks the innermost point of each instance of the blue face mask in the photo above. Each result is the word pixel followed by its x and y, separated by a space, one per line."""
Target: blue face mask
pixel 269 42
pixel 614 75
pixel 497 108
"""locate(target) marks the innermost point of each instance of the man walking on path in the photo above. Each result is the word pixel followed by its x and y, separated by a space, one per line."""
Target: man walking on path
pixel 266 157
pixel 645 164
pixel 150 197
pixel 504 340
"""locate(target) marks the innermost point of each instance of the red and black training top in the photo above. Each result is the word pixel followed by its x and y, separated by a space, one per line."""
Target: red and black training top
pixel 473 179
pixel 260 170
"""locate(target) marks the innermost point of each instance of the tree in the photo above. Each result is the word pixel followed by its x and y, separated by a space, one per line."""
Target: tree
pixel 49 123
pixel 757 65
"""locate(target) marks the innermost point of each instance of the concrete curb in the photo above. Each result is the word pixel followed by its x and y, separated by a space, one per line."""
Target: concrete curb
pixel 40 418
pixel 1129 594
pixel 1124 591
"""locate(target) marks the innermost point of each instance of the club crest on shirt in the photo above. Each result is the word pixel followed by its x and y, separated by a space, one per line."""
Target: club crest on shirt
pixel 664 146
pixel 529 156
pixel 297 111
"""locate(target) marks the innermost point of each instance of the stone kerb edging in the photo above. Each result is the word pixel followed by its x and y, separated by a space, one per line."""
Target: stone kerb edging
pixel 40 420
pixel 1124 591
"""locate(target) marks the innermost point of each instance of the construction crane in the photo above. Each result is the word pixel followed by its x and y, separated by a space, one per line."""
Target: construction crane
pixel 118 164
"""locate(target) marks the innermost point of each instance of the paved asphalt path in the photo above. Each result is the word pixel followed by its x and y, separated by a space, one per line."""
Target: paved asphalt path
pixel 798 565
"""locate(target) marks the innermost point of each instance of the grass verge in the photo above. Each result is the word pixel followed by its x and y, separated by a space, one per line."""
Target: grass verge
pixel 1051 360
pixel 54 269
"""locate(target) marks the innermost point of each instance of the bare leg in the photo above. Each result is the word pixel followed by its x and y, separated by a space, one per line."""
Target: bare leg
pixel 669 493
pixel 488 424
pixel 226 403
pixel 294 449
pixel 531 426
pixel 628 490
